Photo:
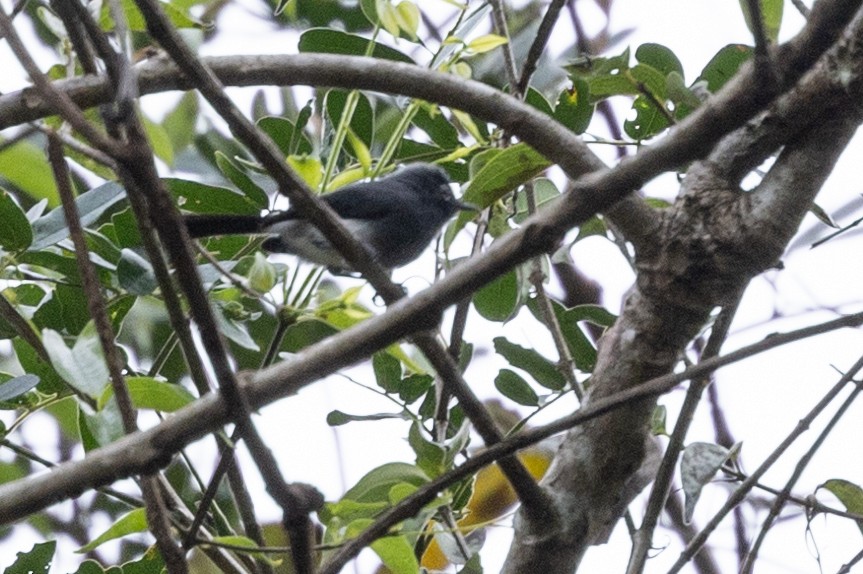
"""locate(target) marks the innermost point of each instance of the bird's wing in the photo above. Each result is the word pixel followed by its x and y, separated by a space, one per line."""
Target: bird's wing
pixel 364 200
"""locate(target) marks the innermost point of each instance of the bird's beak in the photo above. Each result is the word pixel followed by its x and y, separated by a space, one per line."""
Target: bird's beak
pixel 466 206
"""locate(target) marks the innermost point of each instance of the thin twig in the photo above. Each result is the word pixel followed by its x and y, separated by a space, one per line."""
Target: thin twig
pixel 665 474
pixel 740 493
pixel 723 437
pixel 157 516
pixel 801 7
pixel 22 328
pixel 537 47
pixel 90 285
pixel 499 18
pixel 107 491
pixel 61 103
pixel 846 568
pixel 783 496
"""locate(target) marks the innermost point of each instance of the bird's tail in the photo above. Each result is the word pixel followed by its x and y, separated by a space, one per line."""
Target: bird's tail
pixel 209 225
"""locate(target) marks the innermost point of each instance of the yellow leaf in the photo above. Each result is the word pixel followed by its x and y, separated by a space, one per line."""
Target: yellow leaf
pixel 486 43
pixel 387 17
pixel 462 69
pixel 308 168
pixel 361 151
pixel 408 17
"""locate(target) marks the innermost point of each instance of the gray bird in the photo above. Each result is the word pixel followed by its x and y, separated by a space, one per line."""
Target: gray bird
pixel 394 217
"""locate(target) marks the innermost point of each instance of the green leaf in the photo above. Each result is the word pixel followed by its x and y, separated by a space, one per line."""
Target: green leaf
pixel 36 561
pixel 135 274
pixel 414 386
pixel 150 563
pixel 479 131
pixel 17 386
pixel 607 86
pixel 25 167
pixel 28 294
pixel 593 226
pixel 574 108
pixel 130 523
pixel 359 150
pixel 338 418
pixel 125 229
pixel 544 193
pixel 606 76
pixel 388 371
pixel 242 180
pixel 119 308
pixel 95 430
pixel 685 99
pixel 475 17
pixel 49 380
pixel 658 420
pixel 285 5
pixel 396 554
pixel 651 114
pixel 376 484
pixel 234 330
pixel 309 169
pixel 328 41
pixel 51 228
pixel 199 197
pixel 472 566
pixel 149 393
pixel 698 465
pixel 179 123
pixel 73 306
pixel 136 22
pixel 15 232
pixel 582 350
pixel 499 300
pixel 596 314
pixel 160 141
pixel 362 120
pixel 594 67
pixel 541 369
pixel 370 10
pixel 262 274
pixel 659 57
pixel 350 510
pixel 535 98
pixel 459 441
pixel 436 125
pixel 408 18
pixel 771 17
pixel 387 17
pixel 291 140
pixel 848 493
pixel 82 366
pixel 724 65
pixel 514 387
pixel 102 245
pixel 503 172
pixel 304 333
pixel 431 456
